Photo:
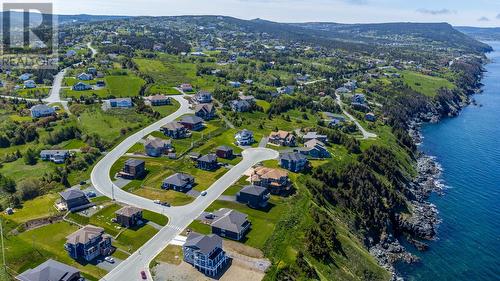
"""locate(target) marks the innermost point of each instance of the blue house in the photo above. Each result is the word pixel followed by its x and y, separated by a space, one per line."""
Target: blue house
pixel 85 77
pixel 203 97
pixel 205 253
pixel 121 102
pixel 254 196
pixel 80 86
pixel 293 161
pixel 88 243
pixel 41 110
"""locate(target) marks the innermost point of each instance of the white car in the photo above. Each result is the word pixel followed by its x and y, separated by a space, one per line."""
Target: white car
pixel 204 193
pixel 109 259
pixel 157 201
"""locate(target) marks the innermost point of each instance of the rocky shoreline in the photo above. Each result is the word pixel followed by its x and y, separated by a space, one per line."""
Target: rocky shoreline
pixel 422 225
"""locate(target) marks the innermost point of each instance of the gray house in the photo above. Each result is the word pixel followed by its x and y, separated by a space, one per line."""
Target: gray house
pixel 41 110
pixel 230 224
pixel 56 156
pixel 51 270
pixel 75 200
pixel 174 130
pixel 254 196
pixel 128 216
pixel 316 149
pixel 207 162
pixel 179 182
pixel 156 147
pixel 205 253
pixel 293 161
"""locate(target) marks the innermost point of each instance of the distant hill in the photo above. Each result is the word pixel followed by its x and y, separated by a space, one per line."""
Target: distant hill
pixel 17 18
pixel 436 34
pixel 481 33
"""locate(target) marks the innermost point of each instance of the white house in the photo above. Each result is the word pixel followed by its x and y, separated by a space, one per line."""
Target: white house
pixel 29 84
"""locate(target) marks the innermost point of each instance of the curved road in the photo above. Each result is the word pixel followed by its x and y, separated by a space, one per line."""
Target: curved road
pixel 366 134
pixel 179 217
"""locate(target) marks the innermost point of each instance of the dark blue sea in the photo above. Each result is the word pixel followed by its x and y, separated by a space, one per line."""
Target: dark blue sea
pixel 468 148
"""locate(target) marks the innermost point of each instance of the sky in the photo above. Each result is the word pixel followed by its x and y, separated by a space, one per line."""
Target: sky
pixel 484 13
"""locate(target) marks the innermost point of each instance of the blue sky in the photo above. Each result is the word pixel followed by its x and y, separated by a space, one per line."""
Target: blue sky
pixel 456 12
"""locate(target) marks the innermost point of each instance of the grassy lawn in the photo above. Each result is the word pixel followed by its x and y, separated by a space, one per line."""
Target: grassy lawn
pixel 124 86
pixel 235 188
pixel 263 222
pixel 40 207
pixel 155 217
pixel 129 239
pixel 172 197
pixel 33 93
pixel 425 84
pixel 18 171
pixel 169 71
pixel 109 124
pixel 30 248
pixel 172 254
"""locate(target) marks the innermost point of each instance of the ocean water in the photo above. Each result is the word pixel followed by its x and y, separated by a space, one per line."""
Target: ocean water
pixel 468 148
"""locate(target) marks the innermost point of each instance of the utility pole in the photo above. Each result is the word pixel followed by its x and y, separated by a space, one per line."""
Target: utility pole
pixel 112 191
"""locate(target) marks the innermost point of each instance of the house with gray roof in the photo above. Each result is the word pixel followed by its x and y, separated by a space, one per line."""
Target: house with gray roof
pixel 205 253
pixel 207 162
pixel 230 224
pixel 178 182
pixel 203 97
pixel 192 122
pixel 56 156
pixel 254 196
pixel 41 110
pixel 80 86
pixel 75 200
pixel 174 130
pixel 293 161
pixel 128 216
pixel 156 147
pixel 205 111
pixel 51 270
pixel 87 243
pixel 315 149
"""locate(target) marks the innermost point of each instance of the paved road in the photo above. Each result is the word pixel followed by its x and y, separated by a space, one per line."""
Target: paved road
pixel 366 134
pixel 94 51
pixel 179 217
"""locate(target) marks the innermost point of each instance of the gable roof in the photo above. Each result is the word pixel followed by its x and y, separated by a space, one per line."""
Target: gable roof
pixel 50 270
pixel 205 244
pixel 229 220
pixel 40 107
pixel 206 107
pixel 84 234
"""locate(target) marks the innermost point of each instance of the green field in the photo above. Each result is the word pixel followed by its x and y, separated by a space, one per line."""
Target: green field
pixel 425 84
pixel 263 222
pixel 30 248
pixel 168 71
pixel 124 86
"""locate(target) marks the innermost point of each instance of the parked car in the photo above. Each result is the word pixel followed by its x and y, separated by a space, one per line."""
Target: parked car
pixel 157 201
pixel 109 259
pixel 143 275
pixel 91 194
pixel 166 204
pixel 204 193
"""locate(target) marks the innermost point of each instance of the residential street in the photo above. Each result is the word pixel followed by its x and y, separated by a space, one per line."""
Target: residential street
pixel 366 134
pixel 179 217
